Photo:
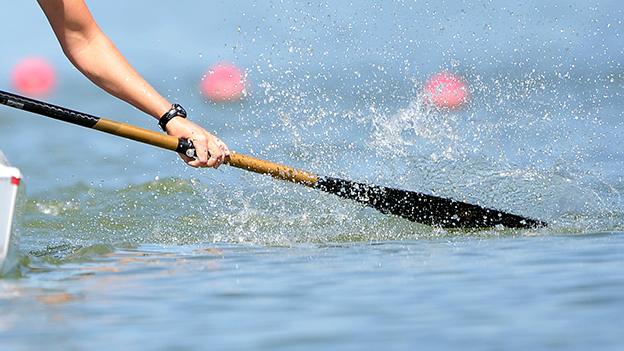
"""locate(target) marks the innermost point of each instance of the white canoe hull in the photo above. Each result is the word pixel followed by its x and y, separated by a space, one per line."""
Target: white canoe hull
pixel 10 178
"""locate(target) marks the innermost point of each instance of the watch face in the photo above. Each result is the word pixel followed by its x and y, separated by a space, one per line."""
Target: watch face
pixel 181 110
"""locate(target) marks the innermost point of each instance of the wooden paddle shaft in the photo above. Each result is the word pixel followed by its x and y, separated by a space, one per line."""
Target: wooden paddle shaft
pixel 236 160
pixel 275 170
pixel 152 138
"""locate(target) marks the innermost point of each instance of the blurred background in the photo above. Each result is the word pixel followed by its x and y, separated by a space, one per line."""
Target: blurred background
pixel 114 231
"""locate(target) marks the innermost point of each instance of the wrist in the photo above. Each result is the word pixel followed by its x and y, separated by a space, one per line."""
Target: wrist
pixel 175 111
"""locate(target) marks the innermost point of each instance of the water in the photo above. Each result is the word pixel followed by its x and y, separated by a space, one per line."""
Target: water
pixel 122 245
pixel 469 293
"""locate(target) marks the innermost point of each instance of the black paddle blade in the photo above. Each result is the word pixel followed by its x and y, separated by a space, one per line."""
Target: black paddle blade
pixel 423 208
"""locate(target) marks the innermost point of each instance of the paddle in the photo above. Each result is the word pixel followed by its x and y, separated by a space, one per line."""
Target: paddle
pixel 416 207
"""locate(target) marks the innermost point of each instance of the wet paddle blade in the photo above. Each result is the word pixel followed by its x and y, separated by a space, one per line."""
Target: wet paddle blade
pixel 423 208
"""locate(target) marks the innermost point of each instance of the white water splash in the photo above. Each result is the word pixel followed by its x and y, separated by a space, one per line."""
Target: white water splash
pixel 416 128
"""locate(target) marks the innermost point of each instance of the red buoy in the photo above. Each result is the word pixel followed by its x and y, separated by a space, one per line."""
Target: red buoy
pixel 446 91
pixel 224 82
pixel 34 77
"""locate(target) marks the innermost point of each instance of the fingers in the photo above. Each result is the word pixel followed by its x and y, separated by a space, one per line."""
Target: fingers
pixel 201 150
pixel 221 145
pixel 210 150
pixel 217 154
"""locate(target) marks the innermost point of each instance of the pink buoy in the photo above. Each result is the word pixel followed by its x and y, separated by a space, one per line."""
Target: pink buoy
pixel 34 77
pixel 224 82
pixel 446 91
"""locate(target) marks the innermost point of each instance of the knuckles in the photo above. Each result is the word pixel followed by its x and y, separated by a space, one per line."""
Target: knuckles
pixel 214 153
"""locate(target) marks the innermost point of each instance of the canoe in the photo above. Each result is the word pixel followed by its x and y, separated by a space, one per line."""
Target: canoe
pixel 10 179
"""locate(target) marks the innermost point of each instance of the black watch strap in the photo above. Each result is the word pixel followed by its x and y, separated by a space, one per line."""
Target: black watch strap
pixel 175 111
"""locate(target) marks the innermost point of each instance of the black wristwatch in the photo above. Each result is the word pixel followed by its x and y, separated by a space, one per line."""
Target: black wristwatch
pixel 175 111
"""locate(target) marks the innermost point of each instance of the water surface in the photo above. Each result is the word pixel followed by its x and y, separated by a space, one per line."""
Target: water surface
pixel 124 246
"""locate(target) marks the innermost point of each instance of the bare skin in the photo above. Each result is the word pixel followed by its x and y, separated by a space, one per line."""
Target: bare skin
pixel 93 54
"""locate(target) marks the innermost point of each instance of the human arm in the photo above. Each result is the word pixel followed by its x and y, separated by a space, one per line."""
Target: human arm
pixel 93 54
